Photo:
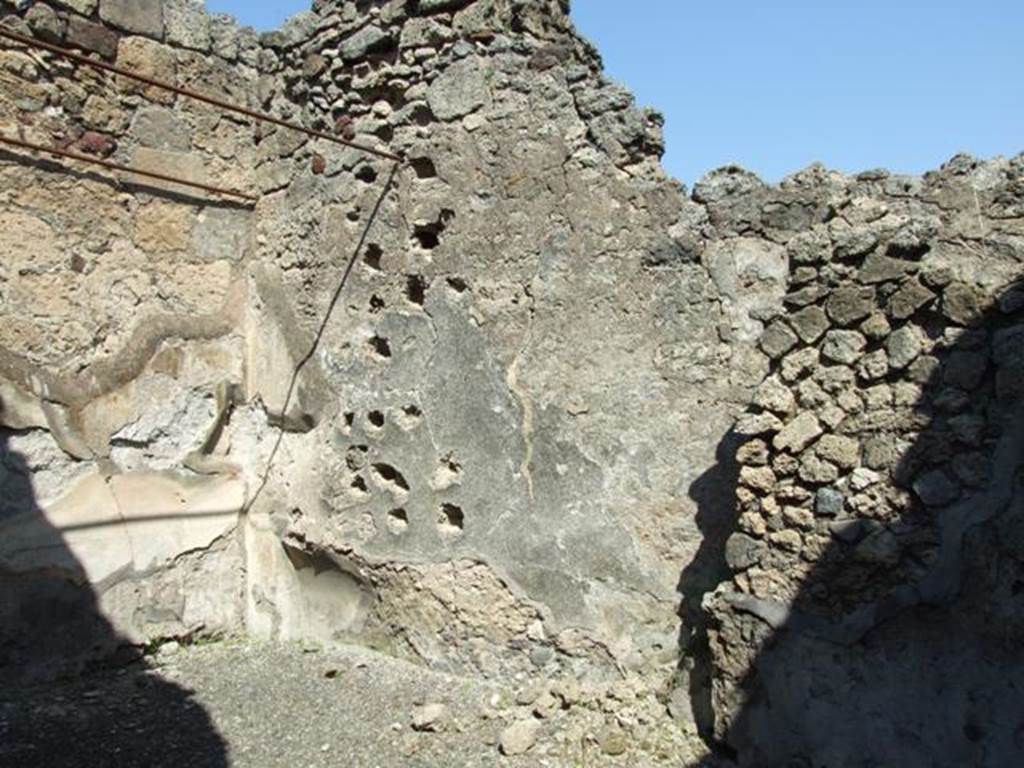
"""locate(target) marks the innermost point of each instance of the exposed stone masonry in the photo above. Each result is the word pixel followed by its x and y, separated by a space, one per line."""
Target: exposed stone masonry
pixel 435 381
pixel 517 406
pixel 884 400
pixel 878 470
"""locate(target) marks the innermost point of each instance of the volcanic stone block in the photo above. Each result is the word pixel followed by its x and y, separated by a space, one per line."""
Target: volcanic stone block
pixel 817 471
pixel 84 7
pixel 850 303
pixel 92 37
pixel 841 451
pixel 808 247
pixel 876 326
pixel 809 323
pixel 911 297
pixel 140 17
pixel 843 346
pixel 777 339
pixel 760 479
pixel 45 23
pixel 460 90
pixel 873 366
pixel 752 424
pixel 963 303
pixel 187 24
pixel 742 551
pixel 903 346
pixel 774 396
pixel 879 269
pixel 798 434
pixel 753 453
pixel 828 502
pixel 365 41
pixel 852 242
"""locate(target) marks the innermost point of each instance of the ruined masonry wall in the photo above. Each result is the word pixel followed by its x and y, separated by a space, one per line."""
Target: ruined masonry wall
pixel 122 328
pixel 559 417
pixel 878 476
pixel 150 338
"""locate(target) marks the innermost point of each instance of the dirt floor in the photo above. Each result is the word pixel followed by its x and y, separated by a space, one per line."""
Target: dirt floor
pixel 242 704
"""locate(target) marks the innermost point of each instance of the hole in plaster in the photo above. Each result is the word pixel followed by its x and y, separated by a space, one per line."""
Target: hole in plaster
pixel 346 424
pixel 390 477
pixel 367 174
pixel 451 520
pixel 359 486
pixel 908 252
pixel 386 56
pixel 353 215
pixel 457 284
pixel 447 474
pixel 380 347
pixel 428 236
pixel 421 115
pixel 342 120
pixel 376 418
pixel 373 255
pixel 392 93
pixel 398 520
pixel 416 289
pixel 355 458
pixel 409 417
pixel 376 303
pixel 424 167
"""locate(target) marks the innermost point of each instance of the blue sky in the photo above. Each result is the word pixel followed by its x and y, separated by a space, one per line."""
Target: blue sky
pixel 775 86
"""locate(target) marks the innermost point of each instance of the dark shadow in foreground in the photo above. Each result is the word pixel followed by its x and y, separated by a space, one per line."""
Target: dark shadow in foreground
pixel 903 641
pixel 59 706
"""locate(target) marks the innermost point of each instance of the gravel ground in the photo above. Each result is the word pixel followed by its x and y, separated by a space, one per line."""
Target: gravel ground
pixel 244 704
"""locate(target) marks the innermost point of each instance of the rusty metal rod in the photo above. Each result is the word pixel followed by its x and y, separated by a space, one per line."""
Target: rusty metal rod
pixel 127 169
pixel 31 42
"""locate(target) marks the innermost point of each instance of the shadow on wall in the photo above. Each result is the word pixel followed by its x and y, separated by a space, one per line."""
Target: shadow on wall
pixel 875 619
pixel 715 495
pixel 49 621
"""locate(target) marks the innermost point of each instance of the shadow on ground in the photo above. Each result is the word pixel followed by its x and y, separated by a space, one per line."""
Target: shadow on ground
pixel 54 639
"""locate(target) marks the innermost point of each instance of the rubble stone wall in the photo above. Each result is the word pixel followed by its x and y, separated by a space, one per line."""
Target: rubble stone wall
pixel 879 486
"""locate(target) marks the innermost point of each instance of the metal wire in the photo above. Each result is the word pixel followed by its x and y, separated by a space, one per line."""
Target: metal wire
pixel 227 106
pixel 127 169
